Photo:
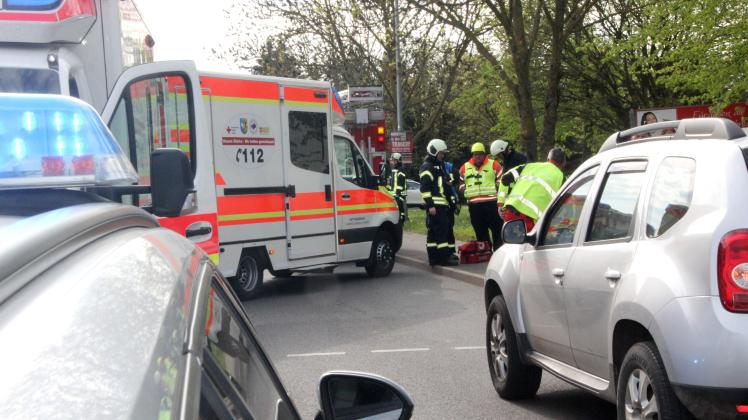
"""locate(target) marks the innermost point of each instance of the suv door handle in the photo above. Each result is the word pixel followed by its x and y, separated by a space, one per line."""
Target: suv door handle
pixel 613 275
pixel 345 196
pixel 558 273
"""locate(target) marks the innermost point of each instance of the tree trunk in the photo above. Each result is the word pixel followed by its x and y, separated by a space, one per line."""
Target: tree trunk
pixel 550 114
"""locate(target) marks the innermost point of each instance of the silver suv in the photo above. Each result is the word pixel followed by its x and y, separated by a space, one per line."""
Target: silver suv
pixel 634 284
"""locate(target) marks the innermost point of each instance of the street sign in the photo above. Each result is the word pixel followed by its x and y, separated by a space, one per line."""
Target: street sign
pixel 402 142
pixel 364 94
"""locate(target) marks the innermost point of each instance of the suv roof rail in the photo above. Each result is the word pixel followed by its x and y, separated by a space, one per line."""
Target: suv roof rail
pixel 692 128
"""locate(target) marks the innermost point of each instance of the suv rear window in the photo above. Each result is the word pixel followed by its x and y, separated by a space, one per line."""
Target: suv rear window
pixel 672 191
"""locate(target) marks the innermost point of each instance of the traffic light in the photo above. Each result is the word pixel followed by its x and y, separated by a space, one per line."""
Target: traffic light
pixel 380 134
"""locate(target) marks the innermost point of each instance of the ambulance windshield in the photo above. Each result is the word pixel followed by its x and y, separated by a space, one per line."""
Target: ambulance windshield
pixel 17 80
pixel 57 141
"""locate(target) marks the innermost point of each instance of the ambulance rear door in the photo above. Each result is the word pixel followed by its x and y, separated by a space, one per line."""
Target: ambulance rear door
pixel 310 214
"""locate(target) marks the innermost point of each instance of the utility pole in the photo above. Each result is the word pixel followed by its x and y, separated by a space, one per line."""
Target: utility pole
pixel 397 68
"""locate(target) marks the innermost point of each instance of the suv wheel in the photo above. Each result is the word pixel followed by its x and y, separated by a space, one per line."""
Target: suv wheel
pixel 511 378
pixel 644 390
pixel 382 258
pixel 248 279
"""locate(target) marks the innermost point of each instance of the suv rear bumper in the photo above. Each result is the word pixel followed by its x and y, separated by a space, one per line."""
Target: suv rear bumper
pixel 712 403
pixel 702 344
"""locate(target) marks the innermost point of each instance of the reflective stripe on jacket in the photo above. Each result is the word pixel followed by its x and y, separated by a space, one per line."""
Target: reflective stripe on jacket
pixel 433 180
pixel 512 174
pixel 480 182
pixel 397 185
pixel 536 186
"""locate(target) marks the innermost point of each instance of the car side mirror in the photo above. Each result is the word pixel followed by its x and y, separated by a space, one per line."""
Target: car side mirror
pixel 171 181
pixel 354 395
pixel 514 232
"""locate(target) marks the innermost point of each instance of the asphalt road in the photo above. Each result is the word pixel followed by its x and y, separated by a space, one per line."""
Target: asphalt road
pixel 423 331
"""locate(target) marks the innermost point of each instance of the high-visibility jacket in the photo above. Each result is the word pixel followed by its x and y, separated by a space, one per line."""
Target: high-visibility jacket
pixel 434 183
pixel 480 182
pixel 506 182
pixel 396 185
pixel 536 186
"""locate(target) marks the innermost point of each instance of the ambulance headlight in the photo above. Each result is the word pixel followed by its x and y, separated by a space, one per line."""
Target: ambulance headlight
pixel 57 141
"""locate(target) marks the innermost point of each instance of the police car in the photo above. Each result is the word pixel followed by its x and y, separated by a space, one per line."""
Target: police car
pixel 103 313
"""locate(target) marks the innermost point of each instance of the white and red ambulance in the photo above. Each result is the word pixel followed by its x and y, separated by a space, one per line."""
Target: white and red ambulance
pixel 278 184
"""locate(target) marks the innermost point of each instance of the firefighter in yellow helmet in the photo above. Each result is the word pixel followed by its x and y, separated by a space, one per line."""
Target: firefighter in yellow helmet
pixel 436 196
pixel 479 176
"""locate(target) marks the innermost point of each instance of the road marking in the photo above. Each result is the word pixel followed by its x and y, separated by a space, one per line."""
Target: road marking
pixel 333 353
pixel 470 348
pixel 399 350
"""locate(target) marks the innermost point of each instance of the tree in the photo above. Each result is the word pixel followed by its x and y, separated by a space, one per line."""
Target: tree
pixel 514 35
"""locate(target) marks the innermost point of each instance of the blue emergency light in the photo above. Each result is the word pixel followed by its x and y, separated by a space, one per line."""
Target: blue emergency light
pixel 53 141
pixel 31 4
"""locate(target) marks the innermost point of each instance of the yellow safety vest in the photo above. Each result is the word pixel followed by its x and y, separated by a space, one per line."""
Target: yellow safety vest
pixel 536 186
pixel 480 182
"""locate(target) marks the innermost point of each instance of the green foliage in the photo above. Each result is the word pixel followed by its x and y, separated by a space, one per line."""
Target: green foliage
pixel 704 48
pixel 463 229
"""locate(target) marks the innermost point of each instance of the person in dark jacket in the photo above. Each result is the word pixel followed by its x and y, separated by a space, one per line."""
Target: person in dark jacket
pixel 510 158
pixel 437 196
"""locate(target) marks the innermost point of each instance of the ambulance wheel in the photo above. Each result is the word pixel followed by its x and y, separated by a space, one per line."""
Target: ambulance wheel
pixel 382 258
pixel 248 279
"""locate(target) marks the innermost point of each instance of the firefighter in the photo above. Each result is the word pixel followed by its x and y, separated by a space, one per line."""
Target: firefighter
pixel 510 158
pixel 454 202
pixel 530 188
pixel 479 177
pixel 436 196
pixel 396 184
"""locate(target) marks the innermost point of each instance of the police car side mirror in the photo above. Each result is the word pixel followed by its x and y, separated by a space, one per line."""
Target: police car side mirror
pixel 355 395
pixel 171 181
pixel 514 232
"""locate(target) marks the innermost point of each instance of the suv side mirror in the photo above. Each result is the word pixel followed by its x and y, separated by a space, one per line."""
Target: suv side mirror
pixel 171 181
pixel 354 395
pixel 514 232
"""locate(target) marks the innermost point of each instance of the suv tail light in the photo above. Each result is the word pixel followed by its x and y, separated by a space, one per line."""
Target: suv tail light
pixel 732 271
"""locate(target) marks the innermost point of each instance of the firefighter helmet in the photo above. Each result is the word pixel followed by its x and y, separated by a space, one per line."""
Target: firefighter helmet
pixel 478 148
pixel 499 146
pixel 435 146
pixel 397 156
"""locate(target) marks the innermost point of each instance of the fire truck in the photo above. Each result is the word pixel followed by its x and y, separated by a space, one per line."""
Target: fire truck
pixel 277 184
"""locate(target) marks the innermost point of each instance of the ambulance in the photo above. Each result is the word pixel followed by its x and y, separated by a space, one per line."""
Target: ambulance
pixel 276 183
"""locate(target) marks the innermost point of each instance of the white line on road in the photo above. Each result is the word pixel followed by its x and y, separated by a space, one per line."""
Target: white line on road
pixel 399 350
pixel 333 353
pixel 470 348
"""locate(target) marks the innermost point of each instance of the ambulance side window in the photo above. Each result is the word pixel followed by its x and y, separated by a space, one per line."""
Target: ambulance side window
pixel 154 113
pixel 344 156
pixel 307 132
pixel 351 164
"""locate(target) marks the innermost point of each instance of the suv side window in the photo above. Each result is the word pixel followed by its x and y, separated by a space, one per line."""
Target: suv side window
pixel 233 361
pixel 564 217
pixel 307 132
pixel 672 191
pixel 613 215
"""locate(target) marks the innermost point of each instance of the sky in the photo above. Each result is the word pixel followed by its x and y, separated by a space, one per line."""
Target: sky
pixel 187 29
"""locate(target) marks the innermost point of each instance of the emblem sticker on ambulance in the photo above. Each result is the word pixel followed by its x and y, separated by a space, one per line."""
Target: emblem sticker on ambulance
pixel 247 142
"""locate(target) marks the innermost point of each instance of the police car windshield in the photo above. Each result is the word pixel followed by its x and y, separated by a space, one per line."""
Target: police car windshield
pixel 16 80
pixel 57 141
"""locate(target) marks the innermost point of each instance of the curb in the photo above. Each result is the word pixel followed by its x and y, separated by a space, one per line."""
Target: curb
pixel 454 273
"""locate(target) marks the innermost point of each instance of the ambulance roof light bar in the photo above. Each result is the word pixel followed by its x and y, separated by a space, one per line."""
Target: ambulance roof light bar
pixel 49 141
